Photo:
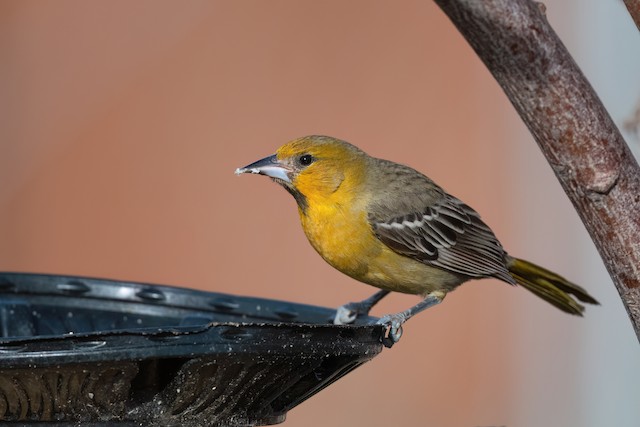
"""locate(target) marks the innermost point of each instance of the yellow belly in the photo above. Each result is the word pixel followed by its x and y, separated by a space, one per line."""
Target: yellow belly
pixel 345 240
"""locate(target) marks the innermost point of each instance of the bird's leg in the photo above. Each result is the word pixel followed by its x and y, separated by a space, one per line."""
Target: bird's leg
pixel 349 312
pixel 393 322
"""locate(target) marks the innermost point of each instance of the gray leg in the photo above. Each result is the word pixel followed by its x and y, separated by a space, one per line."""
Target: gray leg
pixel 349 312
pixel 393 322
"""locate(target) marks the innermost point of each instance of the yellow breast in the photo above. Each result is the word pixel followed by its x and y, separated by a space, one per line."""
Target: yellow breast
pixel 343 237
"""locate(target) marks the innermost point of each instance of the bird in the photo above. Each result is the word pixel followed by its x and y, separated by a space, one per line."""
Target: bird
pixel 387 225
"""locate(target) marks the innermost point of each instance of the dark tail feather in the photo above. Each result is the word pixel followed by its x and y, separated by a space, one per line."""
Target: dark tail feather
pixel 550 287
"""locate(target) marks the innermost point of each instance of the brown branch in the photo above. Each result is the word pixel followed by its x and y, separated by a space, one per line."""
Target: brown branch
pixel 633 6
pixel 574 131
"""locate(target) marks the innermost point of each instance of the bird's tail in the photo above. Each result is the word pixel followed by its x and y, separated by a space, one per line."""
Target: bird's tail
pixel 549 286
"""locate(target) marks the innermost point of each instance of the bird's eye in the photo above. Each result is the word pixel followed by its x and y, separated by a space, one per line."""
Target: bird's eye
pixel 306 159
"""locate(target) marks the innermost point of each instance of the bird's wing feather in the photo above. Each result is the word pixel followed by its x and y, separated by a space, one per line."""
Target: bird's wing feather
pixel 447 234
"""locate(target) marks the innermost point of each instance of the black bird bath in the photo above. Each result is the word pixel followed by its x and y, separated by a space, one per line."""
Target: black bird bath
pixel 75 350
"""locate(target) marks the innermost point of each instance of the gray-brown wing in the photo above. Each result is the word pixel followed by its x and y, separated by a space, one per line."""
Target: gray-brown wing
pixel 447 234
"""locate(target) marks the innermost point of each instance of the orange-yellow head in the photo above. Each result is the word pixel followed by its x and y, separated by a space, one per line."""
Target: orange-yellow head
pixel 313 168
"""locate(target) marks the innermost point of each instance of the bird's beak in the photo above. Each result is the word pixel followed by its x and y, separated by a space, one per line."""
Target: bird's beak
pixel 269 166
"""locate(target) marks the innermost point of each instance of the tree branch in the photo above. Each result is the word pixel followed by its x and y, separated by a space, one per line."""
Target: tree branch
pixel 633 6
pixel 574 131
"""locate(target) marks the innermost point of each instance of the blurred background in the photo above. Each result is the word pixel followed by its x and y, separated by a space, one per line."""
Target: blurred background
pixel 121 124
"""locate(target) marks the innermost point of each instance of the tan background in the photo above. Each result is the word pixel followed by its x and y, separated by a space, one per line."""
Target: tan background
pixel 121 124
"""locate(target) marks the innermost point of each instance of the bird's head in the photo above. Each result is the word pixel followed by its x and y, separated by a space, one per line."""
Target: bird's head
pixel 312 167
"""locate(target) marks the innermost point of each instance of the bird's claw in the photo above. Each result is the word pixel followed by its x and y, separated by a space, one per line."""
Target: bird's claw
pixel 393 329
pixel 346 314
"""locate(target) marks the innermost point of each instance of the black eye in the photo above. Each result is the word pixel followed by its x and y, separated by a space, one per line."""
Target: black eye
pixel 306 159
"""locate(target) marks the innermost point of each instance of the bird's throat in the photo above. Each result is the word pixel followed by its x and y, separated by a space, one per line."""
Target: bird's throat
pixel 300 198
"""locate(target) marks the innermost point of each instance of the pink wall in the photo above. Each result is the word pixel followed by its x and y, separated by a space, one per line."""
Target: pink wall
pixel 122 123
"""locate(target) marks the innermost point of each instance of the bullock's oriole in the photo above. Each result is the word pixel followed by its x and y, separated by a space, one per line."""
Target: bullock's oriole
pixel 390 226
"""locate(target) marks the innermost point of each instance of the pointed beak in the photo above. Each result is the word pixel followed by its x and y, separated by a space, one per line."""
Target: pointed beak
pixel 269 166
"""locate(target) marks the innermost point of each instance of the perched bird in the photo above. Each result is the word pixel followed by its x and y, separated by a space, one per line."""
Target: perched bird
pixel 388 225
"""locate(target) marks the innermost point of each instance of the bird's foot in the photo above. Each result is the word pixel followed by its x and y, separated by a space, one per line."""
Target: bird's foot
pixel 393 328
pixel 348 313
